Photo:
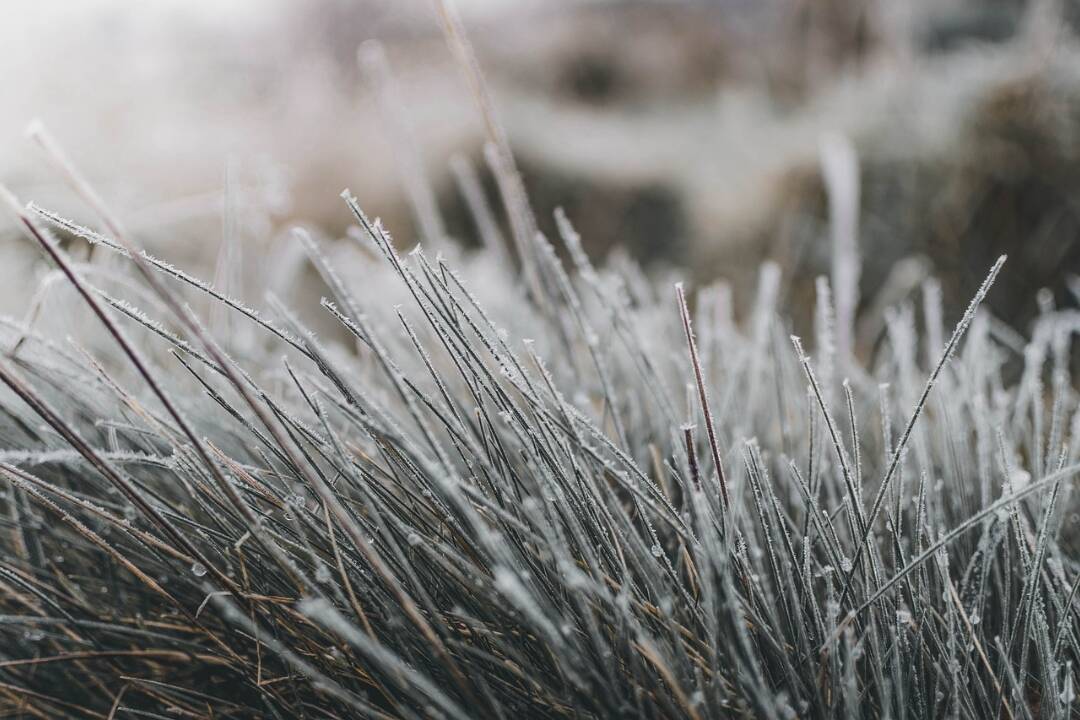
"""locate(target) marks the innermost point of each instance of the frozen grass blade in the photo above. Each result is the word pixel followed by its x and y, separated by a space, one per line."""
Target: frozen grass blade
pixel 897 453
pixel 703 396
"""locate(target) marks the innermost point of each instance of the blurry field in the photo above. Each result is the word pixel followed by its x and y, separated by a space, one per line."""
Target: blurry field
pixel 695 145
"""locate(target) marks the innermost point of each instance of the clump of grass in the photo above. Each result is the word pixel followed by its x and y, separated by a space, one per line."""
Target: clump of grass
pixel 646 510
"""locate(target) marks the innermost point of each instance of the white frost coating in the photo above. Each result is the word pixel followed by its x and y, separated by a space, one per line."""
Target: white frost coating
pixel 537 551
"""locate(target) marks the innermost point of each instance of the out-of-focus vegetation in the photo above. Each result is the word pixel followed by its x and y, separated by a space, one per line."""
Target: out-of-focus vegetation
pixel 682 133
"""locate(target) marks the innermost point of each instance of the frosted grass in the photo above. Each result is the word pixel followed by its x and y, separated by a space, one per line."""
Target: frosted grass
pixel 518 487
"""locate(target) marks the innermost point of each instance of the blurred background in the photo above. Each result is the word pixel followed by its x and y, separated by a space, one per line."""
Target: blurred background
pixel 689 135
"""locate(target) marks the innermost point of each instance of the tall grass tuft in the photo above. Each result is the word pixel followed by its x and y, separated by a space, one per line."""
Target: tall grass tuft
pixel 583 495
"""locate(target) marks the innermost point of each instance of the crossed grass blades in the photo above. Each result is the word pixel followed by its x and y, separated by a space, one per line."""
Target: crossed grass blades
pixel 620 518
pixel 644 511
